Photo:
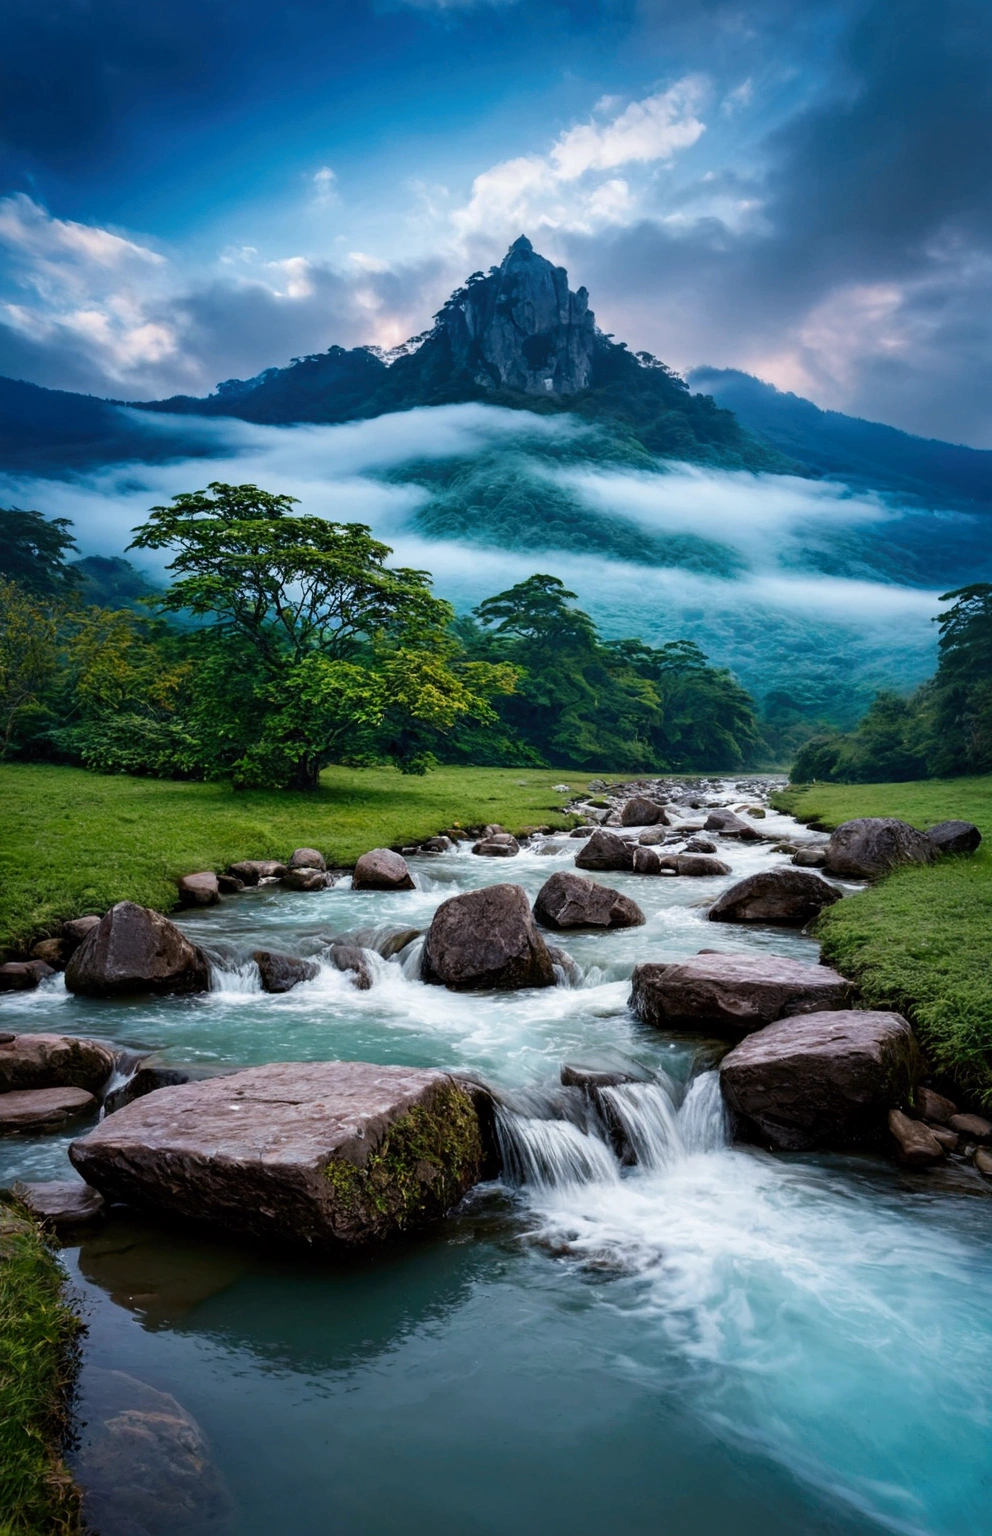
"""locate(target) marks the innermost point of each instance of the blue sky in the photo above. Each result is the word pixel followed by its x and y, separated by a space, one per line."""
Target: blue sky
pixel 199 189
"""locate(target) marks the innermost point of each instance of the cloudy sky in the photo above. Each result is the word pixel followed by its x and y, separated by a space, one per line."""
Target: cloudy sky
pixel 193 190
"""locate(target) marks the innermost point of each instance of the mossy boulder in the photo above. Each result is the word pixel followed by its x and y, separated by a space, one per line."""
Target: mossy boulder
pixel 318 1153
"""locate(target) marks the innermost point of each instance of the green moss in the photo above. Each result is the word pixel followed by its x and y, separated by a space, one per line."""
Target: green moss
pixel 421 1168
pixel 918 941
pixel 38 1337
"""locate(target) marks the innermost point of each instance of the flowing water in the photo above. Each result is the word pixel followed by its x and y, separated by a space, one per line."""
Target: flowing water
pixel 641 1328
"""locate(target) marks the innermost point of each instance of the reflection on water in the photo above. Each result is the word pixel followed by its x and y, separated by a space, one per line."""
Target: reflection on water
pixel 642 1330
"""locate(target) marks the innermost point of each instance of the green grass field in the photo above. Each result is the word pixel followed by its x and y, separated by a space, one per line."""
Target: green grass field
pixel 921 940
pixel 37 1358
pixel 76 842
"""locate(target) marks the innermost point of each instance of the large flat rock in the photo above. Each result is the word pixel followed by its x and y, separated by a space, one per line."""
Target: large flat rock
pixel 43 1109
pixel 823 1079
pixel 732 992
pixel 53 1061
pixel 320 1153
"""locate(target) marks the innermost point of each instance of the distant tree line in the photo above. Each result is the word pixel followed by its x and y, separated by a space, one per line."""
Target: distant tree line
pixel 943 729
pixel 285 642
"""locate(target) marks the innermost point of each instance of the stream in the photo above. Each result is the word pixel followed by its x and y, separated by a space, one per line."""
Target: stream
pixel 709 1339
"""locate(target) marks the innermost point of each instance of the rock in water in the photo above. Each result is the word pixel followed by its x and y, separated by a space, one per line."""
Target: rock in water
pixel 573 901
pixel 521 328
pixel 642 812
pixel 251 871
pixel 136 950
pixel 42 1109
pixel 502 845
pixel 24 975
pixel 53 1061
pixel 729 824
pixel 280 973
pixel 933 1106
pixel 734 992
pixel 955 837
pixel 319 1153
pixel 699 864
pixel 382 870
pixel 61 1204
pixel 605 850
pixel 790 897
pixel 918 1146
pixel 199 890
pixel 871 846
pixel 304 878
pixel 822 1079
pixel 486 940
pixel 351 960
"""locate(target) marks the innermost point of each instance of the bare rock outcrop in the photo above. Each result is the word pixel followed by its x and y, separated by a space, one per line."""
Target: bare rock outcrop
pixel 486 940
pixel 821 1079
pixel 313 1153
pixel 738 993
pixel 788 897
pixel 134 949
pixel 871 846
pixel 574 901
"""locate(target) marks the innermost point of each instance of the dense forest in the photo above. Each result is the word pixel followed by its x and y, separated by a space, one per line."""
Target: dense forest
pixel 285 642
pixel 943 729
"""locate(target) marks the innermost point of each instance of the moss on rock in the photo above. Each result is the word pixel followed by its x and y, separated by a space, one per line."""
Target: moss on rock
pixel 426 1161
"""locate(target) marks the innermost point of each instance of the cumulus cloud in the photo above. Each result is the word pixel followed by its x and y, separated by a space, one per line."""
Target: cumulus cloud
pixel 570 187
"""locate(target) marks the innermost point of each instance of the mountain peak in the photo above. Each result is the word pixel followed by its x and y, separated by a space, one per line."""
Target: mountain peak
pixel 522 328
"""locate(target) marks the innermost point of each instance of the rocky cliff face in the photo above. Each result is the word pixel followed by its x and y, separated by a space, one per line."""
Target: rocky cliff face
pixel 521 327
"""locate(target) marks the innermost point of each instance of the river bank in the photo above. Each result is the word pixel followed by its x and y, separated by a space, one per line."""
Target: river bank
pixel 918 941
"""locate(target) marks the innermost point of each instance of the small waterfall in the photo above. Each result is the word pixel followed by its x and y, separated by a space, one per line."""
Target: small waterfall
pixel 703 1117
pixel 647 1120
pixel 551 1154
pixel 410 961
pixel 233 975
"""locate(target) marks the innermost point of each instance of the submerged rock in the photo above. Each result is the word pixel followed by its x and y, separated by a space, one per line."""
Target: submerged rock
pixel 486 940
pixel 872 846
pixel 319 1153
pixel 788 897
pixel 574 901
pixel 605 850
pixel 955 837
pixel 280 973
pixel 734 992
pixel 133 949
pixel 63 1204
pixel 53 1061
pixel 382 870
pixel 823 1079
pixel 43 1109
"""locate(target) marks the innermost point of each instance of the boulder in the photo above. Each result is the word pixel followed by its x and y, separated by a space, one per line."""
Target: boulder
pixel 699 864
pixel 500 846
pixel 382 870
pixel 54 952
pixel 230 885
pixel 251 871
pixel 974 1127
pixel 641 812
pixel 145 1080
pixel 589 1079
pixel 955 836
pixel 280 973
pixel 75 930
pixel 788 897
pixel 43 1109
pixel 54 1061
pixel 605 850
pixel 565 964
pixel 729 824
pixel 439 844
pixel 809 858
pixel 199 890
pixel 933 1106
pixel 486 940
pixel 133 949
pixel 821 1079
pixel 648 861
pixel 699 845
pixel 315 1153
pixel 350 958
pixel 918 1146
pixel 732 992
pixel 304 879
pixel 574 901
pixel 307 858
pixel 948 1139
pixel 983 1162
pixel 654 838
pixel 63 1204
pixel 871 846
pixel 24 975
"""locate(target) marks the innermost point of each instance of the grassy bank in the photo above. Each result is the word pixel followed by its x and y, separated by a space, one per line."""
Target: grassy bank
pixel 921 940
pixel 76 842
pixel 37 1346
